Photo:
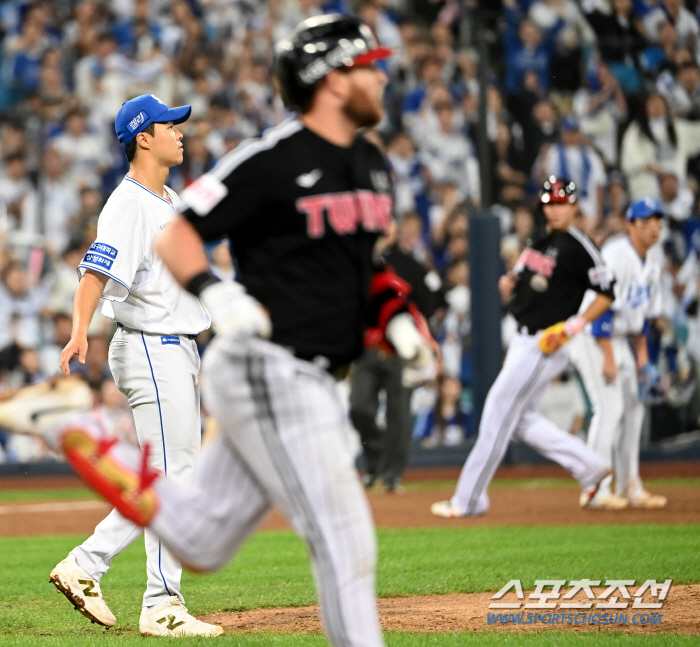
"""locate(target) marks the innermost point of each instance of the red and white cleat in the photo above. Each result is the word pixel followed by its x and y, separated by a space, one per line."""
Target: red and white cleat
pixel 117 471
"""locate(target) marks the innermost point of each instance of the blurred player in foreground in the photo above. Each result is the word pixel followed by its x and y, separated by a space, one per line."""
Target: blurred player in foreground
pixel 613 360
pixel 304 208
pixel 545 293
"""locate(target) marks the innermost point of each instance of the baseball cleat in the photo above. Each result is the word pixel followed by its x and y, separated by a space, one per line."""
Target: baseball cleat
pixel 36 409
pixel 170 618
pixel 446 509
pixel 607 501
pixel 647 500
pixel 116 470
pixel 589 493
pixel 83 591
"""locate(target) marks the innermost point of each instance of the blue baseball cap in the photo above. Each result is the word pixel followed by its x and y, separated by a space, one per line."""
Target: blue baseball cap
pixel 139 113
pixel 644 209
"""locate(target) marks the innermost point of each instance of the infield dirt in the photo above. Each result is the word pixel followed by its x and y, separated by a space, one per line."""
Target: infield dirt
pixel 521 503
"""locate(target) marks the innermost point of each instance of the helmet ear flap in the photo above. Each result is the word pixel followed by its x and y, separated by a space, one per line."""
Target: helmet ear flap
pixel 295 95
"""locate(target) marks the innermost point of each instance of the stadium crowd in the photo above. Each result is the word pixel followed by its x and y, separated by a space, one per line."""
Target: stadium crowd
pixel 605 92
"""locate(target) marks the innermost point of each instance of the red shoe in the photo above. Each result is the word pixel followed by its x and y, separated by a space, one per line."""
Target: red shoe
pixel 104 466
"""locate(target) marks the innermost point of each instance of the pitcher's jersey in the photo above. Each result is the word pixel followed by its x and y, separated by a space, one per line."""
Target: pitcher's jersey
pixel 141 292
pixel 553 275
pixel 637 286
pixel 303 216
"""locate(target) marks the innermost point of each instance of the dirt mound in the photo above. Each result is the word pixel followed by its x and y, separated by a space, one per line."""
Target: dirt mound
pixel 469 612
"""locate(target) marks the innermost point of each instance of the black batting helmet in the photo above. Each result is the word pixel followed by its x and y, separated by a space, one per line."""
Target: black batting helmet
pixel 557 190
pixel 317 46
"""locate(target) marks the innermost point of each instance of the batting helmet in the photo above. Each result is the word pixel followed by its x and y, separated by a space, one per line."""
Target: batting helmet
pixel 558 190
pixel 317 46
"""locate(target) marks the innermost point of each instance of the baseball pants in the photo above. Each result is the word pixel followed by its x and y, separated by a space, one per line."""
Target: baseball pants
pixel 160 377
pixel 386 453
pixel 616 426
pixel 510 412
pixel 281 444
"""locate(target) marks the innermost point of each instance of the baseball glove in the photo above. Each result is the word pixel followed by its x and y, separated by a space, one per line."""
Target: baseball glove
pixel 652 389
pixel 554 337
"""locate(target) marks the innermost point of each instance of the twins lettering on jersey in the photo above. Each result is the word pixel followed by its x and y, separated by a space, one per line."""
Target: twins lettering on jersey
pixel 536 261
pixel 100 255
pixel 346 211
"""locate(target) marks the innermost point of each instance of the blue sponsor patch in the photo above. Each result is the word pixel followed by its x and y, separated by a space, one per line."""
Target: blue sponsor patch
pixel 137 121
pixel 170 339
pixel 101 248
pixel 98 259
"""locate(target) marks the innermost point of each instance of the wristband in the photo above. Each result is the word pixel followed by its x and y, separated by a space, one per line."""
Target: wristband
pixel 201 281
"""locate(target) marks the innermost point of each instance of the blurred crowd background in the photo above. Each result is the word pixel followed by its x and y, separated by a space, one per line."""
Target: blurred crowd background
pixel 606 92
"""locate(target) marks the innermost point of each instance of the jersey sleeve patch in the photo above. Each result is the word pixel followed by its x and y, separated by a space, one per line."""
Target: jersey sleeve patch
pixel 204 194
pixel 102 248
pixel 97 260
pixel 601 276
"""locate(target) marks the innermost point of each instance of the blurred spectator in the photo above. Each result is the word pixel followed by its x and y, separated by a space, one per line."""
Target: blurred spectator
pixel 508 159
pixel 682 92
pixel 449 422
pixel 18 196
pixel 539 129
pixel 620 42
pixel 576 160
pixel 58 201
pixel 600 108
pixel 409 177
pixel 574 35
pixel 656 142
pixel 85 152
pixel 526 50
pixel 685 23
pixel 449 156
pixel 20 310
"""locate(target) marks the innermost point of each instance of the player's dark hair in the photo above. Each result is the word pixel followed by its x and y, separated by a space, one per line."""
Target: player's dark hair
pixel 130 148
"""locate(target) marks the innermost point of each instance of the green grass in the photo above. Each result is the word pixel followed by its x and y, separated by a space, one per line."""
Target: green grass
pixel 273 570
pixel 83 494
pixel 41 495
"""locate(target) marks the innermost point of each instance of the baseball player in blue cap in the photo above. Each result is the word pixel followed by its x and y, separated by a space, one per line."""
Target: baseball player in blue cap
pixel 153 357
pixel 613 361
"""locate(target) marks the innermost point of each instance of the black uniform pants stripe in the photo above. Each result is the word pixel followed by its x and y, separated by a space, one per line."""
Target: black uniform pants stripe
pixel 328 581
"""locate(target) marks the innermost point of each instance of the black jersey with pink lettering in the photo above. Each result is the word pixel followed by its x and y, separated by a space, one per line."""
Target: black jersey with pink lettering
pixel 553 274
pixel 303 216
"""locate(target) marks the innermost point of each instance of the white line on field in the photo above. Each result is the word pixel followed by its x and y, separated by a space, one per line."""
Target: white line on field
pixel 52 507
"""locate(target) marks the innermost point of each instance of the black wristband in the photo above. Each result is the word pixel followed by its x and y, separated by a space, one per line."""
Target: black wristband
pixel 200 281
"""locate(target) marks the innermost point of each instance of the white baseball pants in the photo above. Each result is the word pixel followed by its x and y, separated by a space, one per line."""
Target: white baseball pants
pixel 281 444
pixel 510 411
pixel 615 430
pixel 160 376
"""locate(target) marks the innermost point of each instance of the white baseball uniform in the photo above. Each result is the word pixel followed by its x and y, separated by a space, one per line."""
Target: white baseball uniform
pixel 615 429
pixel 154 360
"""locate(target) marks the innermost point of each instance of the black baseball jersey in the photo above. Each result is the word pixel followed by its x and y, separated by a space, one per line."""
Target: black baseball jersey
pixel 553 274
pixel 303 216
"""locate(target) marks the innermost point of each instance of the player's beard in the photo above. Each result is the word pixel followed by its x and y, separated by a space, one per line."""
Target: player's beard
pixel 362 110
